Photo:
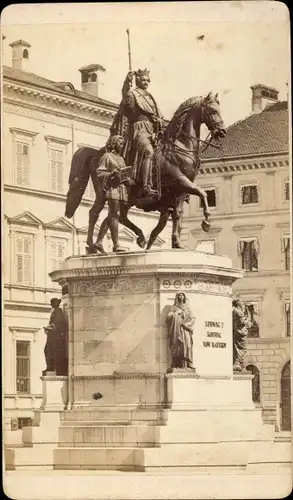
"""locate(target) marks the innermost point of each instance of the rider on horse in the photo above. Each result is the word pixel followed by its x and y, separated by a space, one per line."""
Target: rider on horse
pixel 139 121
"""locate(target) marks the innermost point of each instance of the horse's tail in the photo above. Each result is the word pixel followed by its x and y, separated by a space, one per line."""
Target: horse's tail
pixel 81 169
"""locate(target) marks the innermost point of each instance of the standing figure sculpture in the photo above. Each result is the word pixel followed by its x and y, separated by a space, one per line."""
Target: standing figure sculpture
pixel 240 333
pixel 180 321
pixel 140 120
pixel 109 170
pixel 56 348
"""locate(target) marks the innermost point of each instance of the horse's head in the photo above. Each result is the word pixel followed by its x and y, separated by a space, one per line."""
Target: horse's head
pixel 211 115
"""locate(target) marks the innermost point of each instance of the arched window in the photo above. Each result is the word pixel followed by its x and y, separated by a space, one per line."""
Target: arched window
pixel 93 77
pixel 286 398
pixel 255 383
pixel 25 54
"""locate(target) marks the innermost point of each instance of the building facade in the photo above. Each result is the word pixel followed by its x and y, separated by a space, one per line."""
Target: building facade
pixel 44 123
pixel 248 188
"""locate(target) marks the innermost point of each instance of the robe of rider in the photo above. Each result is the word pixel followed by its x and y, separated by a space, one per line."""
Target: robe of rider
pixel 141 111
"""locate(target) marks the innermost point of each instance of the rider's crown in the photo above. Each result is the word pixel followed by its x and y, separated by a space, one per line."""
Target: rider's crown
pixel 142 72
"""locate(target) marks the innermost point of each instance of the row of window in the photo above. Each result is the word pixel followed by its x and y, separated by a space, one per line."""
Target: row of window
pixel 22 264
pixel 24 251
pixel 249 194
pixel 249 251
pixel 23 143
pixel 57 157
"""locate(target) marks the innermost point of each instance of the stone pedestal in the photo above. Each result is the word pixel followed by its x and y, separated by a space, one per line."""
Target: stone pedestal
pixel 118 339
pixel 55 392
pixel 148 417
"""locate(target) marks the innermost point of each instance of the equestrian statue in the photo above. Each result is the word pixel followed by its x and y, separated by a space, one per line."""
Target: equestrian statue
pixel 146 162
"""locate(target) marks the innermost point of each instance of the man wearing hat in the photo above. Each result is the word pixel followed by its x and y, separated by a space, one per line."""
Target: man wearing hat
pixel 139 121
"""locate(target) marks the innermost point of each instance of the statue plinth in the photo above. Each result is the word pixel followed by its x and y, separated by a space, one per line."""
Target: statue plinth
pixel 118 337
pixel 140 413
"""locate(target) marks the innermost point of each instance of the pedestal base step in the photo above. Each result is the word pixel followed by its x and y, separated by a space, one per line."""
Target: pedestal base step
pixel 26 458
pixel 177 456
pixel 152 436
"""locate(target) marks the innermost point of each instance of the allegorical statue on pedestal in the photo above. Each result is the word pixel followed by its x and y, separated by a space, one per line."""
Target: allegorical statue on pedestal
pixel 180 321
pixel 164 161
pixel 56 348
pixel 240 333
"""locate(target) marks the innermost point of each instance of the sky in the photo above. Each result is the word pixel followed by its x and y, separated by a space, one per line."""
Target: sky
pixel 190 48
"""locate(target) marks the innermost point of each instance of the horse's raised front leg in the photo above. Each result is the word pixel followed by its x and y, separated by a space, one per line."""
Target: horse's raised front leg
pixel 164 216
pixel 177 216
pixel 190 187
pixel 93 217
pixel 124 209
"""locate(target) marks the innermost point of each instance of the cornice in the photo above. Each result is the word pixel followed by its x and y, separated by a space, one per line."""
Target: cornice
pixel 22 107
pixel 239 215
pixel 251 157
pixel 58 99
pixel 212 231
pixel 22 131
pixel 27 306
pixel 62 197
pixel 116 375
pixel 51 138
pixel 11 286
pixel 252 164
pixel 268 340
pixel 255 292
pixel 248 227
pixel 263 273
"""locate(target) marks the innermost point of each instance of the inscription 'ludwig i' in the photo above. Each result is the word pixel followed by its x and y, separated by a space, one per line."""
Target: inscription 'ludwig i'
pixel 217 327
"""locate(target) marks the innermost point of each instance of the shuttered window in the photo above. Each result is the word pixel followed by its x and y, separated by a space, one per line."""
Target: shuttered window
pixel 57 168
pixel 22 156
pixel 249 254
pixel 57 253
pixel 23 259
pixel 249 194
pixel 22 366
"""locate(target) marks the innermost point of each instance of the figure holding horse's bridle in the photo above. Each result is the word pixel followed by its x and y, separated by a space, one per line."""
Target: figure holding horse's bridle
pixel 175 167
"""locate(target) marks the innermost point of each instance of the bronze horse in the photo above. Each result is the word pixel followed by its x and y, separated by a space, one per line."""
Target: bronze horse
pixel 177 160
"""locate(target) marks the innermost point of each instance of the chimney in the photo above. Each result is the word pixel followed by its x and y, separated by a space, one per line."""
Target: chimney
pixel 91 79
pixel 262 95
pixel 20 55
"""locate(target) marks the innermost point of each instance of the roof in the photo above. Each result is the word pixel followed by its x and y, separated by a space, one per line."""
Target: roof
pixel 261 133
pixel 63 88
